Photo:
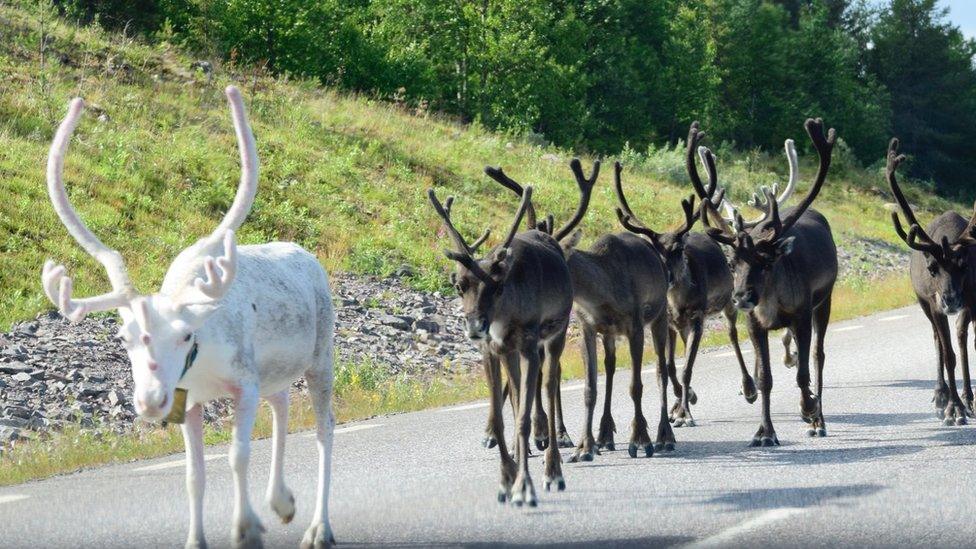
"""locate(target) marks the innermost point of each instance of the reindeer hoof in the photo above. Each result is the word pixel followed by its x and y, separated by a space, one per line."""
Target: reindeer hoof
pixel 558 481
pixel 770 441
pixel 541 443
pixel 632 450
pixel 692 397
pixel 811 432
pixel 822 432
pixel 664 446
pixel 565 441
pixel 948 422
pixel 648 450
pixel 489 442
pixel 961 420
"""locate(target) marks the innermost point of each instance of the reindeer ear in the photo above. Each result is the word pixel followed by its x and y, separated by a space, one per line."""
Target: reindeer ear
pixel 500 264
pixel 785 246
pixel 196 313
pixel 570 243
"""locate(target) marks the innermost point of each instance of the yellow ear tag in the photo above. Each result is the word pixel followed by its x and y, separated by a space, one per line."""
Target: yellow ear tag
pixel 177 413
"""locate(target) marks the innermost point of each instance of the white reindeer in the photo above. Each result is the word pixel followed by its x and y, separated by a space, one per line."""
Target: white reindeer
pixel 228 322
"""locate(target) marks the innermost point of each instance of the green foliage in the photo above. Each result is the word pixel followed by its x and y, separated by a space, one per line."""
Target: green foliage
pixel 596 75
pixel 927 66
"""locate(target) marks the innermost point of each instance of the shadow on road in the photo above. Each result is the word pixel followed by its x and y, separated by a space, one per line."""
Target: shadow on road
pixel 790 453
pixel 774 498
pixel 880 420
pixel 661 541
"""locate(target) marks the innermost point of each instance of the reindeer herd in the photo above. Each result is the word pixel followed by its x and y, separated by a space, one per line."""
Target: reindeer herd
pixel 245 322
pixel 779 270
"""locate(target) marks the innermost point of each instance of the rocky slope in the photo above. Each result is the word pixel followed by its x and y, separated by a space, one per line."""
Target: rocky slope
pixel 53 372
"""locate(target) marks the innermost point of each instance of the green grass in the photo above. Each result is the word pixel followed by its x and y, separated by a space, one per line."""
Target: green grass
pixel 341 175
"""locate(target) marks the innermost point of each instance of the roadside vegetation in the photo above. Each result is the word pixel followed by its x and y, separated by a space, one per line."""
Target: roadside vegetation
pixel 153 166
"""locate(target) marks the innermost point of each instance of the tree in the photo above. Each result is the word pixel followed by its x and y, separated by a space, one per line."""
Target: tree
pixel 927 66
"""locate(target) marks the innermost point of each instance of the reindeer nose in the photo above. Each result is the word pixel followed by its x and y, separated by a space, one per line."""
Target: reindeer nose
pixel 152 403
pixel 742 298
pixel 477 328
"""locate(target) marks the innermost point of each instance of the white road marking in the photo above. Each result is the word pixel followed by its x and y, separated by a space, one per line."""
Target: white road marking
pixel 725 537
pixel 732 353
pixel 175 463
pixel 847 328
pixel 891 318
pixel 350 429
pixel 10 498
pixel 474 406
pixel 354 428
pixel 576 387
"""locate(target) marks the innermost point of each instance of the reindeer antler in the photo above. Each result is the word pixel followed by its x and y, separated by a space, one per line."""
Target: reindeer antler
pixel 216 284
pixel 825 147
pixel 481 239
pixel 586 190
pixel 759 198
pixel 499 175
pixel 632 223
pixel 462 252
pixel 57 286
pixel 916 238
pixel 722 235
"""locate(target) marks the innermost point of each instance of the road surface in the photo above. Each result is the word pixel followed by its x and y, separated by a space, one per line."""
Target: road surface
pixel 888 474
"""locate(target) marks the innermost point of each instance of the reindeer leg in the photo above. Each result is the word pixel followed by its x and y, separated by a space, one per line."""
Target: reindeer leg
pixel 748 385
pixel 684 417
pixel 279 497
pixel 955 411
pixel 673 372
pixel 491 439
pixel 247 528
pixel 809 407
pixel 659 337
pixel 962 335
pixel 607 426
pixel 508 468
pixel 639 437
pixel 195 474
pixel 523 492
pixel 554 472
pixel 941 397
pixel 320 386
pixel 540 430
pixel 789 356
pixel 587 445
pixel 672 367
pixel 563 435
pixel 766 435
pixel 821 317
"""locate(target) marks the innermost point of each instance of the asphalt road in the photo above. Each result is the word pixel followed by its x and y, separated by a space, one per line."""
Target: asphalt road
pixel 888 474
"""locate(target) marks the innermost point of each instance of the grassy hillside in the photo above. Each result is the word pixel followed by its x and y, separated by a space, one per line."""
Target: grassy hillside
pixel 153 166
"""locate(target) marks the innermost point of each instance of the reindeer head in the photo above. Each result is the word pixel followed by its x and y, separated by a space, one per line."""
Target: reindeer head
pixel 758 248
pixel 479 282
pixel 669 245
pixel 158 329
pixel 945 261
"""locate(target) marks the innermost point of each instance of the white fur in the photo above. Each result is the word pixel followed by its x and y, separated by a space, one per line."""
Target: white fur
pixel 758 199
pixel 261 316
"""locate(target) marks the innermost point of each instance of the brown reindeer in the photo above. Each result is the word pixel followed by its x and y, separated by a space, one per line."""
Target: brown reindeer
pixel 784 271
pixel 619 287
pixel 943 277
pixel 700 283
pixel 516 302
